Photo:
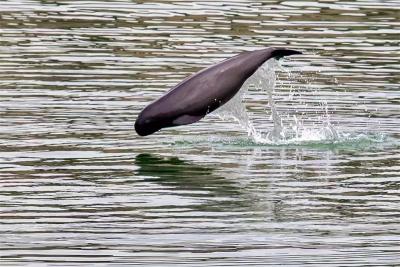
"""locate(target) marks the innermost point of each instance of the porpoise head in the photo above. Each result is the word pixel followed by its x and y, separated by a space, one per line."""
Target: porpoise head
pixel 149 122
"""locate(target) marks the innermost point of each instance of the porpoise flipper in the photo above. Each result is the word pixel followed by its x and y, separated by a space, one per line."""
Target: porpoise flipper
pixel 186 119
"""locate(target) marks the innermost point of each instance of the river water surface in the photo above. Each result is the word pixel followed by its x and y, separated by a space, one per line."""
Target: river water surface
pixel 78 186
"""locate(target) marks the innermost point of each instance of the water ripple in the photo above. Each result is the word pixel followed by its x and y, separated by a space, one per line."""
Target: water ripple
pixel 79 187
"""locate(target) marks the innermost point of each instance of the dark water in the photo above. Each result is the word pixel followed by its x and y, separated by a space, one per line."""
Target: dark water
pixel 79 187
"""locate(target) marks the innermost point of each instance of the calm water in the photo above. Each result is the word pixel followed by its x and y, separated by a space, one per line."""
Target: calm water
pixel 79 187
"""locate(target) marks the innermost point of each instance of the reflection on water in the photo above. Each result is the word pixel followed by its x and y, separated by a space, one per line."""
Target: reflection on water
pixel 79 187
pixel 183 175
pixel 191 180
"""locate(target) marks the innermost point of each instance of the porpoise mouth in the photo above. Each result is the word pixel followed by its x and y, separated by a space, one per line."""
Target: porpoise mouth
pixel 144 127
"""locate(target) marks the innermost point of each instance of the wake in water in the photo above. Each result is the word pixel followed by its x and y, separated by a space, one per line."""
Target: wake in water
pixel 290 130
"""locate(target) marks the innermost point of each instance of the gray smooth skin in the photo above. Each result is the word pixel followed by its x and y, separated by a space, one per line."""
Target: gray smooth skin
pixel 204 91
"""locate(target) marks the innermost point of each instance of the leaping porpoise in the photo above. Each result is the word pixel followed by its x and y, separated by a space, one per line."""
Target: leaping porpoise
pixel 204 91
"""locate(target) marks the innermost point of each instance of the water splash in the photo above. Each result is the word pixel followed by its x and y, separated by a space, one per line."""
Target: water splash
pixel 283 128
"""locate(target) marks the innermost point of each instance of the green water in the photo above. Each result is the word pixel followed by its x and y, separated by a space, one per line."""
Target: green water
pixel 78 186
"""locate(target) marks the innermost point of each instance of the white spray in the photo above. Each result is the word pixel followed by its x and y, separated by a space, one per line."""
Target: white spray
pixel 290 130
